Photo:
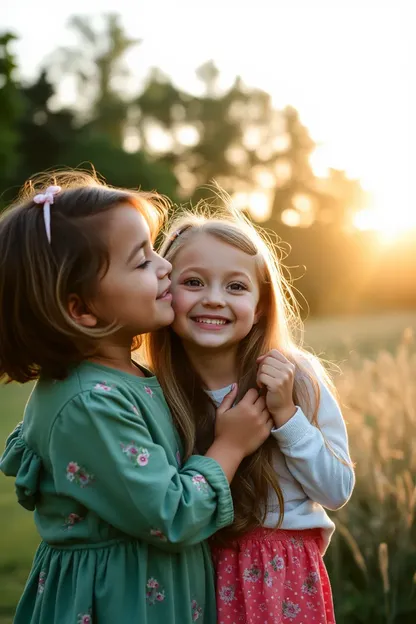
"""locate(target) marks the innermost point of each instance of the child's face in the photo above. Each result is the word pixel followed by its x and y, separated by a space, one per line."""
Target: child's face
pixel 215 293
pixel 134 289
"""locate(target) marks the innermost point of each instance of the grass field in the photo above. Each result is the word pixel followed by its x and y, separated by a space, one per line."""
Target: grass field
pixel 341 339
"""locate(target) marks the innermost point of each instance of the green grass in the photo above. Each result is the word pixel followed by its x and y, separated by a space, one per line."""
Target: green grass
pixel 334 338
pixel 17 532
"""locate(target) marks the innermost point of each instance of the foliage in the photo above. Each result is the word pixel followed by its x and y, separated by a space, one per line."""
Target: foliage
pixel 373 558
pixel 157 136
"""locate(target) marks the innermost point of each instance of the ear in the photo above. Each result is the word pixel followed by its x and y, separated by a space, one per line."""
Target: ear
pixel 80 313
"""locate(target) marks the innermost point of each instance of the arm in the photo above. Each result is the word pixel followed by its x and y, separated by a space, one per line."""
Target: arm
pixel 103 456
pixel 325 479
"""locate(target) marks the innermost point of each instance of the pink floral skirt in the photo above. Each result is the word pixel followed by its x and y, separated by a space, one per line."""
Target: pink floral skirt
pixel 273 577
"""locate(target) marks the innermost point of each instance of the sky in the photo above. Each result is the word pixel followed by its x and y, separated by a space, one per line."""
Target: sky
pixel 349 67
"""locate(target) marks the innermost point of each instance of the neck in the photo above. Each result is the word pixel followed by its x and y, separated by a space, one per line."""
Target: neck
pixel 217 369
pixel 116 356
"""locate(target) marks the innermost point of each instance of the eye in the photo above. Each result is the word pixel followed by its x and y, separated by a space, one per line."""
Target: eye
pixel 193 282
pixel 143 265
pixel 237 286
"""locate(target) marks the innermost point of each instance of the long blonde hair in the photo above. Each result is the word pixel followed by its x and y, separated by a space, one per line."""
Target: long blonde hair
pixel 191 408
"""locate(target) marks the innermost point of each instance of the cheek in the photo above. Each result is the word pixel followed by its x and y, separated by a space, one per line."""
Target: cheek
pixel 247 310
pixel 180 301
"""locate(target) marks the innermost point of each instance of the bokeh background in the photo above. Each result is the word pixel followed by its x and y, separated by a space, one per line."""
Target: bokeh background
pixel 304 113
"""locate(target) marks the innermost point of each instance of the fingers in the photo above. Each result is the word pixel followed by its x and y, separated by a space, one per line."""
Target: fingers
pixel 278 365
pixel 261 403
pixel 281 373
pixel 274 371
pixel 250 396
pixel 272 384
pixel 277 356
pixel 266 415
pixel 228 400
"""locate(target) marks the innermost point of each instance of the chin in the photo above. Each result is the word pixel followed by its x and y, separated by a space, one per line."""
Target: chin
pixel 167 318
pixel 211 344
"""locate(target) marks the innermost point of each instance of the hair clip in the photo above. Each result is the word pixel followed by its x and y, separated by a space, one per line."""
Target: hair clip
pixel 174 236
pixel 46 199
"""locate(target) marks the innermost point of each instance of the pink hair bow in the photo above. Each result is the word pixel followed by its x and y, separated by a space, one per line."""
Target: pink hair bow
pixel 46 199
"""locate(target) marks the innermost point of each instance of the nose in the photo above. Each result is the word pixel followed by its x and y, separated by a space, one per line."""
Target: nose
pixel 164 267
pixel 213 298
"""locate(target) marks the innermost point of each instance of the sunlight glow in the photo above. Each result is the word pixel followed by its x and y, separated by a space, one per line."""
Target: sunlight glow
pixel 390 215
pixel 258 204
pixel 356 99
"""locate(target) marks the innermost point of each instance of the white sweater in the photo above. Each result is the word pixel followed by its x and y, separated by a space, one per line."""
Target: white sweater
pixel 310 475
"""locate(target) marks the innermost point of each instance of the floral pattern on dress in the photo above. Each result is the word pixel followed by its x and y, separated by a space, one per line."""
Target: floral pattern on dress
pixel 252 575
pixel 149 391
pixel 158 533
pixel 154 593
pixel 277 563
pixel 85 618
pixel 102 386
pixel 138 455
pixel 227 593
pixel 268 579
pixel 196 611
pixel 290 610
pixel 309 584
pixel 284 593
pixel 78 475
pixel 200 483
pixel 41 582
pixel 71 520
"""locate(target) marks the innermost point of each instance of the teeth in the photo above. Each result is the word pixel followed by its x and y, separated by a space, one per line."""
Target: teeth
pixel 211 321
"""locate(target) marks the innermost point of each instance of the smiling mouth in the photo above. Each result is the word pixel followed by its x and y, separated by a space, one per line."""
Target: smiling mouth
pixel 166 294
pixel 216 322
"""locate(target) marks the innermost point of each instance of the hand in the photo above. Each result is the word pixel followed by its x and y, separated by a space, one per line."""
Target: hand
pixel 247 425
pixel 277 374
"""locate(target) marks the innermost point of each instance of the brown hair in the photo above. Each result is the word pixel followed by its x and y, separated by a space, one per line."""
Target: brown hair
pixel 37 335
pixel 192 409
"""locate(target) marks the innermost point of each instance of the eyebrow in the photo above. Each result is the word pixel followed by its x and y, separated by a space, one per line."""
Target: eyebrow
pixel 230 274
pixel 135 251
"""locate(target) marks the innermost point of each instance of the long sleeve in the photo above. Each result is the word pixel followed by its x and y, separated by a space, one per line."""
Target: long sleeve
pixel 103 455
pixel 319 458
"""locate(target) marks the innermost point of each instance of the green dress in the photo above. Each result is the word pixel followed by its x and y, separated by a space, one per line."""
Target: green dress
pixel 123 523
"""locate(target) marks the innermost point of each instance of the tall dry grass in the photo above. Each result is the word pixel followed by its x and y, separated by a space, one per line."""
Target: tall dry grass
pixel 372 560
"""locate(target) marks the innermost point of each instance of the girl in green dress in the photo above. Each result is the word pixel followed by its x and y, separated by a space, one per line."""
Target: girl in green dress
pixel 122 508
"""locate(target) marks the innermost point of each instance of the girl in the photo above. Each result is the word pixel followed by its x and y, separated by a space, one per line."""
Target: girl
pixel 121 510
pixel 233 322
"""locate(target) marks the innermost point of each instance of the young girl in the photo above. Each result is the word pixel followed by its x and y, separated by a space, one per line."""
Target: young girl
pixel 233 323
pixel 121 509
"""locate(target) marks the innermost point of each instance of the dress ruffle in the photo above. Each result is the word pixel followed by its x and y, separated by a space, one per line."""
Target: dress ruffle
pixel 22 462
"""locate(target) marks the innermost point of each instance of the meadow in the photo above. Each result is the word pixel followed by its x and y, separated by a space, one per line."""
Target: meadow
pixel 372 559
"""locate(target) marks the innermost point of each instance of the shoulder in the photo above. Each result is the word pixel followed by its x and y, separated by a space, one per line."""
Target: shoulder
pixel 84 396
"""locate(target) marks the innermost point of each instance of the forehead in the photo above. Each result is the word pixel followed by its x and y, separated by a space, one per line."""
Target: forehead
pixel 206 251
pixel 125 226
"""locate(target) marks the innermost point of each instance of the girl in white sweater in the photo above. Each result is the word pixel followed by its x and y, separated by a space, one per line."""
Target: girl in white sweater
pixel 233 331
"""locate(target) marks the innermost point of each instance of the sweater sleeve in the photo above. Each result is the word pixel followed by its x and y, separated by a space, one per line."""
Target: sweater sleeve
pixel 318 458
pixel 103 455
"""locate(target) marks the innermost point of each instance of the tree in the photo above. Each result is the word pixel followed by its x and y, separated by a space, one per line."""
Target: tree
pixel 10 109
pixel 98 64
